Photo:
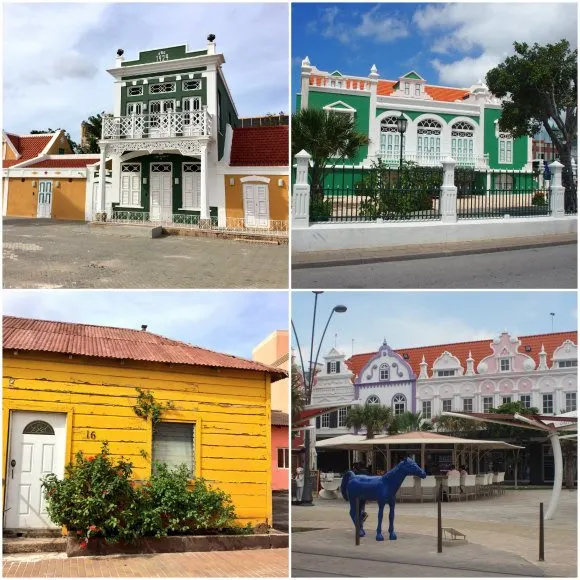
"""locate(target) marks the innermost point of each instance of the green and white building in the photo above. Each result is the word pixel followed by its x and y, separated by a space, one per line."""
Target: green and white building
pixel 442 121
pixel 168 130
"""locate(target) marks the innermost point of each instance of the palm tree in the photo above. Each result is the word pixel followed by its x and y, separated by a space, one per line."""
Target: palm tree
pixel 92 129
pixel 375 418
pixel 408 421
pixel 454 425
pixel 325 135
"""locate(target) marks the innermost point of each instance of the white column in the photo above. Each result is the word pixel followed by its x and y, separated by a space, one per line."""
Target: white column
pixel 305 71
pixel 373 124
pixel 301 192
pixel 448 199
pixel 203 193
pixel 5 193
pixel 556 190
pixel 557 488
pixel 103 181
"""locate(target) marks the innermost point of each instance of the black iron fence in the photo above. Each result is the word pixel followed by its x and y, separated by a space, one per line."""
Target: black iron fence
pixel 496 194
pixel 349 193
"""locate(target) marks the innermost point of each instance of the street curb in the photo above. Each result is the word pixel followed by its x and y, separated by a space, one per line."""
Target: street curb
pixel 172 544
pixel 426 255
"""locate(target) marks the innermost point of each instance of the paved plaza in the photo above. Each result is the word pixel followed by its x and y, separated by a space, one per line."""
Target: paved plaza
pixel 502 534
pixel 240 563
pixel 57 254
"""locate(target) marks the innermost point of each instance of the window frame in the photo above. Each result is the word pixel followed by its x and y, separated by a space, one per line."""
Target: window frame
pixel 551 406
pixel 486 401
pixel 183 85
pixel 505 141
pixel 402 400
pixel 465 409
pixel 568 406
pixel 427 415
pixel 509 365
pixel 285 457
pixel 195 425
pixel 172 83
pixel 341 417
pixel 382 368
pixel 443 405
pixel 528 401
pixel 325 421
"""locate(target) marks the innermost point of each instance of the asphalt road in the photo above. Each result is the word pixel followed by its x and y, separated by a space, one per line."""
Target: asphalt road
pixel 548 267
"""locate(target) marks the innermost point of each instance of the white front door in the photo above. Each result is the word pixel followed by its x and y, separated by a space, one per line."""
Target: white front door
pixel 161 192
pixel 37 448
pixel 256 210
pixel 191 184
pixel 44 208
pixel 97 198
pixel 130 185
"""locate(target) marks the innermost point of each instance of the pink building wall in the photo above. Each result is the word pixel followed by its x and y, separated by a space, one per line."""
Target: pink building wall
pixel 279 441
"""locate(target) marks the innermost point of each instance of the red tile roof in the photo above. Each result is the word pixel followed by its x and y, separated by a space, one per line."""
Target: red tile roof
pixel 10 162
pixel 479 350
pixel 66 163
pixel 31 146
pixel 116 343
pixel 267 146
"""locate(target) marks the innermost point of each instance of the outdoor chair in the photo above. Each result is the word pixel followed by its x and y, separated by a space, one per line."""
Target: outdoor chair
pixel 488 487
pixel 480 484
pixel 453 487
pixel 495 484
pixel 407 489
pixel 429 488
pixel 500 482
pixel 469 486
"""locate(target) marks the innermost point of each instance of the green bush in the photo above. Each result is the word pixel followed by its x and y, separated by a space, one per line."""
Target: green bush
pixel 98 498
pixel 539 199
pixel 392 193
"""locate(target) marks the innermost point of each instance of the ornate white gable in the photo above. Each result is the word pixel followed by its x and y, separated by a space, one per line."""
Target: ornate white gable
pixel 567 351
pixel 385 367
pixel 333 382
pixel 506 357
pixel 446 362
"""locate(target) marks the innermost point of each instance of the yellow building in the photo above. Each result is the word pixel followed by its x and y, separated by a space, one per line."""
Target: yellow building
pixel 42 178
pixel 256 177
pixel 70 387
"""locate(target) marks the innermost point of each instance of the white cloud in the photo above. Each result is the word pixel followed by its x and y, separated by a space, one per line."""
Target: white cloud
pixel 56 55
pixel 347 25
pixel 490 30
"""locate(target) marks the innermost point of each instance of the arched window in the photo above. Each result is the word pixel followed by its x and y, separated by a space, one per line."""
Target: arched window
pixel 399 404
pixel 462 141
pixel 38 428
pixel 429 140
pixel 373 400
pixel 390 138
pixel 384 372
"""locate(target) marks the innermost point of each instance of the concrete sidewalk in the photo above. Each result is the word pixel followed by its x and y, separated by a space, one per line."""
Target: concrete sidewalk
pixel 502 534
pixel 241 563
pixel 409 548
pixel 303 260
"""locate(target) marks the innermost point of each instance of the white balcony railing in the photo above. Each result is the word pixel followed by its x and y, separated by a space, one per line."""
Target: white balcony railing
pixel 158 125
pixel 393 159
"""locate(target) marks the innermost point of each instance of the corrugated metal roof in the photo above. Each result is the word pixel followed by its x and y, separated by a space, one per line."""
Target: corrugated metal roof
pixel 117 343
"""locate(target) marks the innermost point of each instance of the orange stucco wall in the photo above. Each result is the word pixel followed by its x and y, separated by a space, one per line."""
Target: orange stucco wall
pixel 278 196
pixel 7 152
pixel 68 200
pixel 60 143
pixel 269 352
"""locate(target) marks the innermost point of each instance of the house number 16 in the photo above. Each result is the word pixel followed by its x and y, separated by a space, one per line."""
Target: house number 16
pixel 91 435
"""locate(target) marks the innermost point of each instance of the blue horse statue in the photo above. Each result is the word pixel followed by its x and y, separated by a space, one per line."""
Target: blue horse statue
pixel 382 488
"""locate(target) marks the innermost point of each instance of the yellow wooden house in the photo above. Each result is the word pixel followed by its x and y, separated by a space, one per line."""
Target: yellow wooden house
pixel 70 387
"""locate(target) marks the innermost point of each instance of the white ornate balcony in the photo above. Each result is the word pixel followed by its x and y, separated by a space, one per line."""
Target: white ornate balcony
pixel 392 159
pixel 158 126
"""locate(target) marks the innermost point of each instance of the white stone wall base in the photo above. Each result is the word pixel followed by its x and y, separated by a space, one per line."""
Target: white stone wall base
pixel 351 236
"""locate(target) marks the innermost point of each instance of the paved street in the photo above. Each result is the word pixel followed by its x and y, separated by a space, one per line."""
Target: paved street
pixel 57 254
pixel 502 534
pixel 548 267
pixel 240 563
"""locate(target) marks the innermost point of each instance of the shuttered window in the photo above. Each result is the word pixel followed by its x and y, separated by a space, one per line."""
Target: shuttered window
pixel 173 444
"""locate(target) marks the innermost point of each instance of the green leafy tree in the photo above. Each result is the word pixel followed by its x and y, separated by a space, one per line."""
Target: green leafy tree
pixel 297 392
pixel 540 83
pixel 408 421
pixel 453 425
pixel 375 418
pixel 73 144
pixel 328 137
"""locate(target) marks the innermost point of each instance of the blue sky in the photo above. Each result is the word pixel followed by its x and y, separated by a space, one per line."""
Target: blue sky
pixel 410 319
pixel 448 44
pixel 233 322
pixel 56 55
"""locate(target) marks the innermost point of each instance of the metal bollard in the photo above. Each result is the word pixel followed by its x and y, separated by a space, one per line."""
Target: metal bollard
pixel 357 523
pixel 541 556
pixel 439 524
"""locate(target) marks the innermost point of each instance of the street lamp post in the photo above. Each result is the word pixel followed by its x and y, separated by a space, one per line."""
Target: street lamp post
pixel 308 382
pixel 401 128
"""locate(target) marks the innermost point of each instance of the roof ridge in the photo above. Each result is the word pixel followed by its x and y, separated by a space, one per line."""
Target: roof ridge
pixel 466 342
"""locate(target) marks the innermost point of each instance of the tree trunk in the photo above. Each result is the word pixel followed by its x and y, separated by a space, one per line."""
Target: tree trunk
pixel 570 194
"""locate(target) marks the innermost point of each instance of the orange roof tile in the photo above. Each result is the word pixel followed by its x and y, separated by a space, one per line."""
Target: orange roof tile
pixel 385 88
pixel 31 146
pixel 66 163
pixel 479 350
pixel 28 334
pixel 267 146
pixel 445 93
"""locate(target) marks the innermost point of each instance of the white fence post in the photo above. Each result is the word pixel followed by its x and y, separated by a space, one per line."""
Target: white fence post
pixel 448 201
pixel 301 192
pixel 556 190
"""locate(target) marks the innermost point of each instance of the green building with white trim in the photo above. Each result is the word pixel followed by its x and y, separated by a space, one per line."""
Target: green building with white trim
pixel 441 122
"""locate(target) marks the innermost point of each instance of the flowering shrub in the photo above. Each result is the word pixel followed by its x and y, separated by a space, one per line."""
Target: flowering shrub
pixel 98 498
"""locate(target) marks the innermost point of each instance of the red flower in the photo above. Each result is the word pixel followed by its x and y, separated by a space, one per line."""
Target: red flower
pixel 93 528
pixel 84 544
pixel 148 484
pixel 133 484
pixel 79 532
pixel 91 458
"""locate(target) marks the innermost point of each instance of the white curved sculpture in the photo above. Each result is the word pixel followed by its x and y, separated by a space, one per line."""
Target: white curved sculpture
pixel 557 450
pixel 330 484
